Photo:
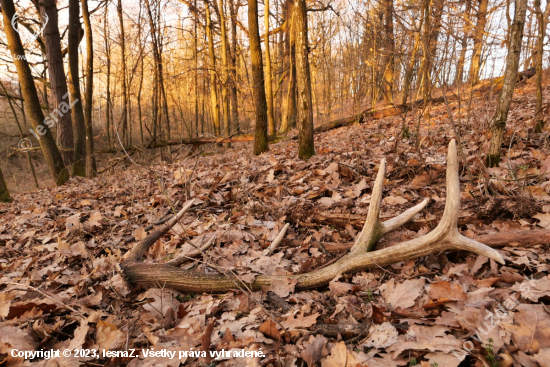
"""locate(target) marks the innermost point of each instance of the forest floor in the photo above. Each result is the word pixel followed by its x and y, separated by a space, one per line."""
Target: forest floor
pixel 59 247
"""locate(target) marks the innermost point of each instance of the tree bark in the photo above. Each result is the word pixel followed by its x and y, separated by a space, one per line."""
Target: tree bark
pixel 306 148
pixel 32 103
pixel 233 73
pixel 5 196
pixel 91 167
pixel 225 74
pixel 60 114
pixel 289 118
pixel 271 129
pixel 479 32
pixel 542 19
pixel 464 44
pixel 258 90
pixel 108 66
pixel 212 70
pixel 79 163
pixel 507 92
pixel 389 55
pixel 124 120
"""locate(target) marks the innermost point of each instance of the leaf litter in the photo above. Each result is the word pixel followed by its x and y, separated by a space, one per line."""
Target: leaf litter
pixel 59 248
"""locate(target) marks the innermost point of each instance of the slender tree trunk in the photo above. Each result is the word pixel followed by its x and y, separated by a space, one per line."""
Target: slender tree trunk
pixel 60 114
pixel 425 65
pixel 234 62
pixel 225 74
pixel 410 68
pixel 91 168
pixel 464 44
pixel 212 70
pixel 108 66
pixel 79 163
pixel 124 120
pixel 258 89
pixel 507 92
pixel 196 74
pixel 30 95
pixel 479 32
pixel 271 129
pixel 29 160
pixel 389 56
pixel 303 78
pixel 542 20
pixel 289 119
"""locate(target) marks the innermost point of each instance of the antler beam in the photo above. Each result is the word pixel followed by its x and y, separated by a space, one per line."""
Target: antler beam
pixel 444 237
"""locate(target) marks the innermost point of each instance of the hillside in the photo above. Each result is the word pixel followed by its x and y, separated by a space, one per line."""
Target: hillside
pixel 59 247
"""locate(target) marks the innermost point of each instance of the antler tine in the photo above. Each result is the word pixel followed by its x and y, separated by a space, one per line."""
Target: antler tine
pixel 446 235
pixel 373 229
pixel 137 252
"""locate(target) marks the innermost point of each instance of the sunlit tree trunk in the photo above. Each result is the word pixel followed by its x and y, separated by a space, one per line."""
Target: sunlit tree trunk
pixel 542 19
pixel 389 56
pixel 289 118
pixel 258 90
pixel 79 164
pixel 196 74
pixel 212 70
pixel 507 92
pixel 106 35
pixel 225 74
pixel 268 82
pixel 479 32
pixel 464 44
pixel 233 73
pixel 52 156
pixel 124 120
pixel 303 79
pixel 91 168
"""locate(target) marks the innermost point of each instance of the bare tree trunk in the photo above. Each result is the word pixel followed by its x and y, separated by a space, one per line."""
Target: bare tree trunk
pixel 58 82
pixel 30 95
pixel 196 75
pixel 108 65
pixel 289 118
pixel 479 32
pixel 425 64
pixel 258 90
pixel 464 45
pixel 271 129
pixel 225 74
pixel 79 163
pixel 389 56
pixel 29 160
pixel 212 70
pixel 303 78
pixel 410 68
pixel 91 168
pixel 124 125
pixel 542 20
pixel 507 92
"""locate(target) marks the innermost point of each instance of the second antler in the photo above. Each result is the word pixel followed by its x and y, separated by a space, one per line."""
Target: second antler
pixel 443 238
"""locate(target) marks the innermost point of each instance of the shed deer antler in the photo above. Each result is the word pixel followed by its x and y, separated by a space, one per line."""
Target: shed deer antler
pixel 444 237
